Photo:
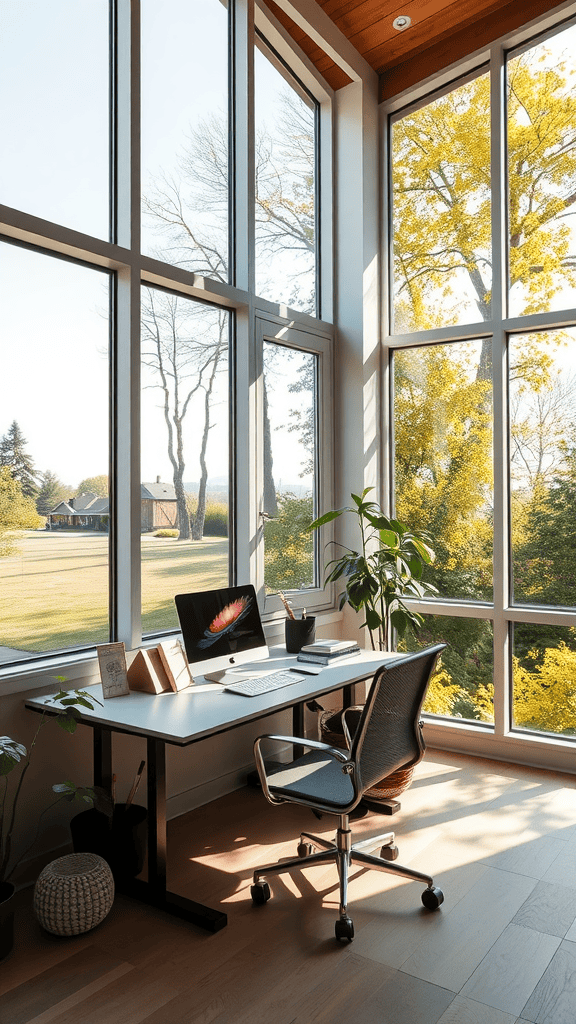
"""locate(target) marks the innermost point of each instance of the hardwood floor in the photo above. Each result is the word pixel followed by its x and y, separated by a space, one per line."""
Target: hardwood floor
pixel 500 840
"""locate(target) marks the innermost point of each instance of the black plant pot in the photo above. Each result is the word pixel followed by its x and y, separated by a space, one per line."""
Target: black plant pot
pixel 6 919
pixel 120 841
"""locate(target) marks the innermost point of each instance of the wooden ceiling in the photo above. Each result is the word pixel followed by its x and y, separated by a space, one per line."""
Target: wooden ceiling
pixel 441 32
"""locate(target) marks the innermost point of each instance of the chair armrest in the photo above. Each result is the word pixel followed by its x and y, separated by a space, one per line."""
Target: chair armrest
pixel 334 752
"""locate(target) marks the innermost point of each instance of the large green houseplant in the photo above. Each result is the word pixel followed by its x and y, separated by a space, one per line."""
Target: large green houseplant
pixel 15 757
pixel 386 569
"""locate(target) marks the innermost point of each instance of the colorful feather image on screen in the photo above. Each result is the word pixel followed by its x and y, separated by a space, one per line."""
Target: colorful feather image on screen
pixel 226 621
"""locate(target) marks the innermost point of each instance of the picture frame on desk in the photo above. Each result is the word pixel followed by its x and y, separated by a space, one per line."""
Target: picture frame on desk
pixel 113 670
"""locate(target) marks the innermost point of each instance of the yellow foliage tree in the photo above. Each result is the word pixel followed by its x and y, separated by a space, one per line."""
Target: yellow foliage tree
pixel 545 699
pixel 17 512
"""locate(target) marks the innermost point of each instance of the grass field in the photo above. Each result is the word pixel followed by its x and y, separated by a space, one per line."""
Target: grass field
pixel 54 588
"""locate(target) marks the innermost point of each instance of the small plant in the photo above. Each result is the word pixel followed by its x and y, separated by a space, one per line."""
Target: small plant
pixel 387 569
pixel 63 709
pixel 166 533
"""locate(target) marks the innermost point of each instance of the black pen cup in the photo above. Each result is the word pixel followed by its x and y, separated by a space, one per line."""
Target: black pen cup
pixel 300 632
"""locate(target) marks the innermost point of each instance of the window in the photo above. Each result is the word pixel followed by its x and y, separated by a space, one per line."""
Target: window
pixel 483 365
pixel 131 429
pixel 185 461
pixel 286 217
pixel 185 152
pixel 55 121
pixel 54 462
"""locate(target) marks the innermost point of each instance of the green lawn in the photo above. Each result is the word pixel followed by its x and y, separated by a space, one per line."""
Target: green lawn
pixel 54 588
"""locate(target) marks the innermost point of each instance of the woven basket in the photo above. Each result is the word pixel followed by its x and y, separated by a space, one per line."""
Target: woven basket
pixel 331 732
pixel 73 894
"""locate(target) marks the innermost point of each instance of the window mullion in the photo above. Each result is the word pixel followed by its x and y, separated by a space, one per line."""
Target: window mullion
pixel 126 395
pixel 499 292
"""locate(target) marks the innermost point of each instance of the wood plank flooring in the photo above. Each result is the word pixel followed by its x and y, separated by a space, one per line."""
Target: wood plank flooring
pixel 499 839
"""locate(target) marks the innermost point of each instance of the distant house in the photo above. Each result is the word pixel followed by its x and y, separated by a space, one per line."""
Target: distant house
pixel 158 507
pixel 84 512
pixel 88 512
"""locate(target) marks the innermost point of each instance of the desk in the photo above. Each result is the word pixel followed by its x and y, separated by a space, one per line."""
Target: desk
pixel 194 714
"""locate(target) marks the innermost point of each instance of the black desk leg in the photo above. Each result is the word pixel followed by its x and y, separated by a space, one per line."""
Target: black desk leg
pixel 157 815
pixel 102 743
pixel 298 727
pixel 153 892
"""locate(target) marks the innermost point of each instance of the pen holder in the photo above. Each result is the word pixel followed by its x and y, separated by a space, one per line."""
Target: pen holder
pixel 299 632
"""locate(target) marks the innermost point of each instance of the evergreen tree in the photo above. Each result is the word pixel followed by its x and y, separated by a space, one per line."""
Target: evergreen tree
pixel 51 492
pixel 14 455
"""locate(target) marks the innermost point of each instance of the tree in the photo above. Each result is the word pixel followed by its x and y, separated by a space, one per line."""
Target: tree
pixel 17 511
pixel 14 455
pixel 189 213
pixel 441 158
pixel 50 493
pixel 183 343
pixel 97 485
pixel 288 548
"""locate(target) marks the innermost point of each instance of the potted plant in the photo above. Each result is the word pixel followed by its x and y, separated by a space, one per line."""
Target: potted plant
pixel 15 756
pixel 387 569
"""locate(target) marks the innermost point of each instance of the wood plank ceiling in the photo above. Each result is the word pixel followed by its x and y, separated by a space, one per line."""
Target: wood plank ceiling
pixel 441 32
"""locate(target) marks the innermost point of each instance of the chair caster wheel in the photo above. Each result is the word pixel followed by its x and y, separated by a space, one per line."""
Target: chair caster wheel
pixel 305 849
pixel 432 898
pixel 389 852
pixel 260 893
pixel 344 929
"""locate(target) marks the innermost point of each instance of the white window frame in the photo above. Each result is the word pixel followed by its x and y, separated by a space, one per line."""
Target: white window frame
pixel 500 740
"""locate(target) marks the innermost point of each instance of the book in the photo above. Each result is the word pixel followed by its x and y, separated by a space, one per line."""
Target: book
pixel 147 673
pixel 330 647
pixel 327 659
pixel 175 664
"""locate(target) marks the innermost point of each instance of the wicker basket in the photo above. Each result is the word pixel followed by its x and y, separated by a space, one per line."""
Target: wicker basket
pixel 331 731
pixel 73 894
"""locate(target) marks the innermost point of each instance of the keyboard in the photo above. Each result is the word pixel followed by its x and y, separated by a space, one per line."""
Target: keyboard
pixel 264 684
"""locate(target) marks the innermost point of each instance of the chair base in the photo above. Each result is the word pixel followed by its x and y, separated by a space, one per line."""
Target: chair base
pixel 345 853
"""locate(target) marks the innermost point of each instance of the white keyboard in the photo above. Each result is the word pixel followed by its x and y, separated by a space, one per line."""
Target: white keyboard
pixel 263 684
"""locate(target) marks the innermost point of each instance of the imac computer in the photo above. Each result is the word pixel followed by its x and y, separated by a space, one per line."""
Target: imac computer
pixel 221 630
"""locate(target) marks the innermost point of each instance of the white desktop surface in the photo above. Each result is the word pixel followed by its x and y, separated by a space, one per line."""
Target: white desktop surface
pixel 205 709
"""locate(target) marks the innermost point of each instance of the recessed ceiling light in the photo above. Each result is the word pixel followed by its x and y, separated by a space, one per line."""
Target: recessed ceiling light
pixel 401 22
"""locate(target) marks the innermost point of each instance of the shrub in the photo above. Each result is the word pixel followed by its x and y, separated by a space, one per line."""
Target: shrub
pixel 165 533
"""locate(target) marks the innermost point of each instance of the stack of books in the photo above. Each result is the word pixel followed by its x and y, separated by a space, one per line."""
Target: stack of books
pixel 325 652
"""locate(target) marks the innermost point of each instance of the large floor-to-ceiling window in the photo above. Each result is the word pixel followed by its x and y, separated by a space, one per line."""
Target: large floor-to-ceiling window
pixel 482 372
pixel 166 320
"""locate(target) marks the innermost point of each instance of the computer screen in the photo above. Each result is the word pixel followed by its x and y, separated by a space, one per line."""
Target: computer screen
pixel 221 629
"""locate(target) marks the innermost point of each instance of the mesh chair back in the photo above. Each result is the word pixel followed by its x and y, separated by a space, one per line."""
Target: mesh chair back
pixel 388 734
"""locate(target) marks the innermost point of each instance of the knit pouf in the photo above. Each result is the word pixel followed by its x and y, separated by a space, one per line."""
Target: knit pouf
pixel 73 893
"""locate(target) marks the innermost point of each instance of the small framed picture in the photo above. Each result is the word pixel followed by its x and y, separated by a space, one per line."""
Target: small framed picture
pixel 112 660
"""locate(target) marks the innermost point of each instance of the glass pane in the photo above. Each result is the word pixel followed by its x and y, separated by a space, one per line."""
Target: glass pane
pixel 290 458
pixel 544 678
pixel 441 211
pixel 185 134
pixel 462 686
pixel 54 124
pixel 542 146
pixel 285 187
pixel 443 460
pixel 185 460
pixel 53 455
pixel 543 466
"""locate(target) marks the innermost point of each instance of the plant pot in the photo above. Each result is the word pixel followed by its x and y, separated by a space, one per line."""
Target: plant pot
pixel 121 841
pixel 299 632
pixel 6 918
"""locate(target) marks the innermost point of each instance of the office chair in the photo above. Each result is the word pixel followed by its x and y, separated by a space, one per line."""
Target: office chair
pixel 333 781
